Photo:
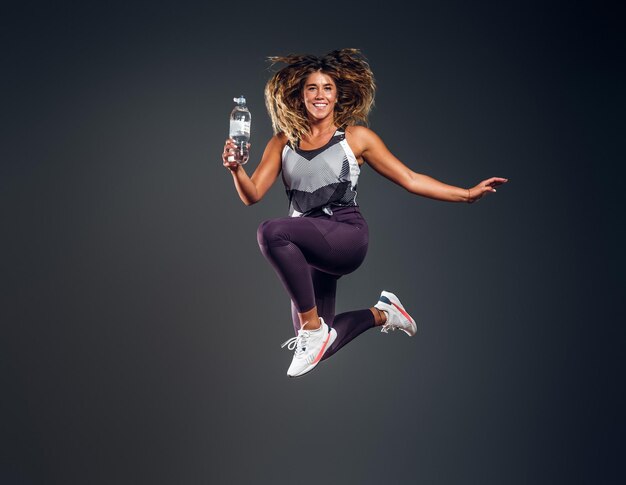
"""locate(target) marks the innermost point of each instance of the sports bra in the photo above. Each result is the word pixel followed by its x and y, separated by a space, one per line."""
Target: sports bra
pixel 320 179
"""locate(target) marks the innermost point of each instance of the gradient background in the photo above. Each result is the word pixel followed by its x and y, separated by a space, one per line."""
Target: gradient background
pixel 141 324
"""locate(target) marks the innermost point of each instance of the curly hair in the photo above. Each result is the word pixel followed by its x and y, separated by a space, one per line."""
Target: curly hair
pixel 355 90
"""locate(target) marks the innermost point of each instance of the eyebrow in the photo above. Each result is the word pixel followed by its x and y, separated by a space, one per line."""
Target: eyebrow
pixel 313 84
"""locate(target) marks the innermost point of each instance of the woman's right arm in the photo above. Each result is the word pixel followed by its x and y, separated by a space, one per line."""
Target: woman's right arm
pixel 252 189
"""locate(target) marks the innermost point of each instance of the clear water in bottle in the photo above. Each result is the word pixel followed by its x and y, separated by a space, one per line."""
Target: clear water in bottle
pixel 240 118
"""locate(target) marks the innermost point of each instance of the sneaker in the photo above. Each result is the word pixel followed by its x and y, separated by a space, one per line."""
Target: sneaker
pixel 397 316
pixel 310 346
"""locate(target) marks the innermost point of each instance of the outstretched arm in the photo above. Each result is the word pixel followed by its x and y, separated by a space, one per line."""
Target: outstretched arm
pixel 252 189
pixel 369 145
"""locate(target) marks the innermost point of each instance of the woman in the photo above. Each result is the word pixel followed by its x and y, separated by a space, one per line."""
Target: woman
pixel 318 107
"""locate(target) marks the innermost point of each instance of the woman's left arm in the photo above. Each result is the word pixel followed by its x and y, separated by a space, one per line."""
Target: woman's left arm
pixel 378 156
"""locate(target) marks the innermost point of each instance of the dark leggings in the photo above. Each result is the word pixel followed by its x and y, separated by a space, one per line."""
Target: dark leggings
pixel 310 254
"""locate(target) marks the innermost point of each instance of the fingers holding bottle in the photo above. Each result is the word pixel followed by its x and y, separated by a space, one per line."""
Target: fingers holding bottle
pixel 235 154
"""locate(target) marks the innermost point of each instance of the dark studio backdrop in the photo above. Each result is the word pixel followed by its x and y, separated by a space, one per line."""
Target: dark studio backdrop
pixel 141 324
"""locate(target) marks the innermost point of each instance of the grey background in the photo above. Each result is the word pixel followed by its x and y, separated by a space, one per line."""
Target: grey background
pixel 141 325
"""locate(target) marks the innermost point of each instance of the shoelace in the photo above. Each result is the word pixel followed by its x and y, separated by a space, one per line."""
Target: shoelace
pixel 388 326
pixel 298 342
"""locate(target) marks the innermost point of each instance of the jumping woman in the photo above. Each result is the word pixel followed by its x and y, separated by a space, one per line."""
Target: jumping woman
pixel 319 109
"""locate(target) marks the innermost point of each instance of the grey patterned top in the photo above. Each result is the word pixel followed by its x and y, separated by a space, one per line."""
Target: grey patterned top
pixel 320 179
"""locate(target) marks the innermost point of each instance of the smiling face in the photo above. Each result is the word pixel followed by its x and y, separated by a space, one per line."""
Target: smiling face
pixel 320 96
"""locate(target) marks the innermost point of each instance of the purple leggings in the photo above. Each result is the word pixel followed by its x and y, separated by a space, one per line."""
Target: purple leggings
pixel 310 254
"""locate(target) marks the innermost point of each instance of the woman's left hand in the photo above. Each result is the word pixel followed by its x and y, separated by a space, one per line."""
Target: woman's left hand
pixel 484 187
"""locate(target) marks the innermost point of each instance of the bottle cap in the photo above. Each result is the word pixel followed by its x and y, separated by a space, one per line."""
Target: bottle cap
pixel 240 100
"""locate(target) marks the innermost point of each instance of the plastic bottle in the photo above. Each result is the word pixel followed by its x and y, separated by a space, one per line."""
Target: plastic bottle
pixel 240 130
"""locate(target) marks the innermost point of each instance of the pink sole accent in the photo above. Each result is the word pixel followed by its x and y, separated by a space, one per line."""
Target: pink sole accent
pixel 403 312
pixel 319 356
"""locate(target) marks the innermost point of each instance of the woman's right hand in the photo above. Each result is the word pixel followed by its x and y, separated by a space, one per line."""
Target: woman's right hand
pixel 252 188
pixel 230 149
pixel 230 155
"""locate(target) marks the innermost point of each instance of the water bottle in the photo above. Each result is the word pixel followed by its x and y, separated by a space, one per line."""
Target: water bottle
pixel 240 130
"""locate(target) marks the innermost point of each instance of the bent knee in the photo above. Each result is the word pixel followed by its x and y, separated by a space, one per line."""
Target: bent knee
pixel 272 233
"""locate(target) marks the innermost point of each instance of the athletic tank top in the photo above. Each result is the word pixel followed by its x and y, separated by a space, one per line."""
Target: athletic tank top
pixel 320 179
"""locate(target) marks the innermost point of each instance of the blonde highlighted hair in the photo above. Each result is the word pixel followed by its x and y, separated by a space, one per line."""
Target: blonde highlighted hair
pixel 355 90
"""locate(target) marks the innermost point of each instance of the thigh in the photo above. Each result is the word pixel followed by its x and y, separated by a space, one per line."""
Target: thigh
pixel 332 247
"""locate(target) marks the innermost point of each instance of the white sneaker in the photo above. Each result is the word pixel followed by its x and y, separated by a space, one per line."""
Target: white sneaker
pixel 397 316
pixel 310 346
